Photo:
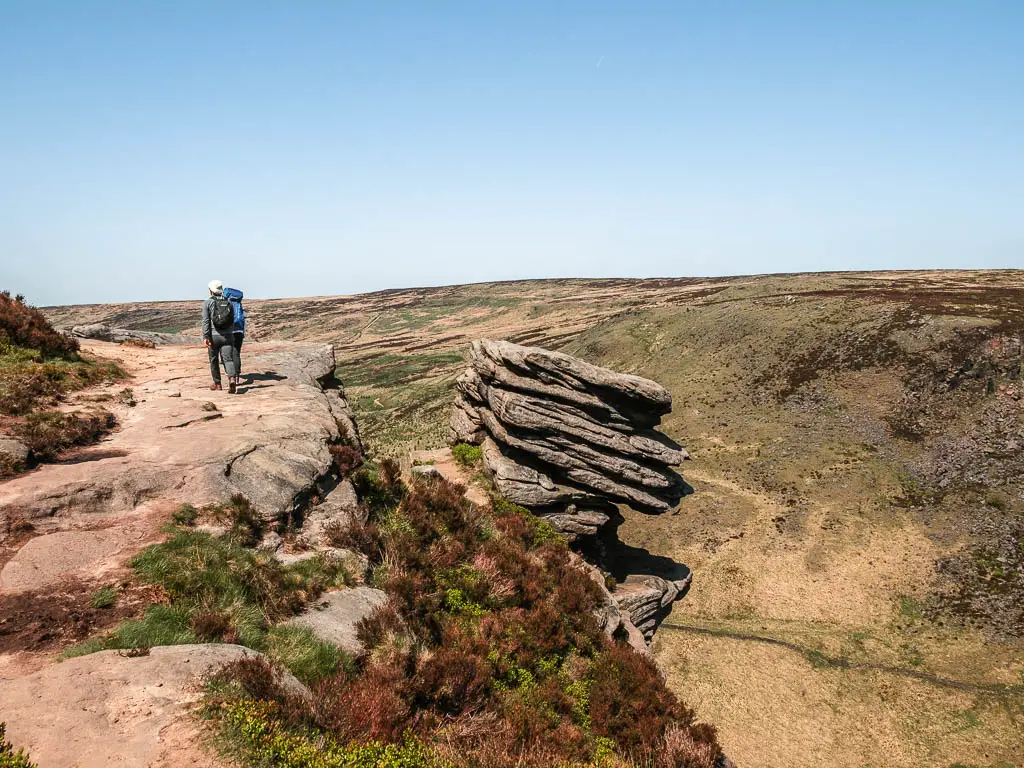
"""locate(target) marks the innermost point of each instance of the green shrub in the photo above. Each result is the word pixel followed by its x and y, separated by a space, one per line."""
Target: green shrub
pixel 467 455
pixel 380 486
pixel 104 598
pixel 256 725
pixel 8 757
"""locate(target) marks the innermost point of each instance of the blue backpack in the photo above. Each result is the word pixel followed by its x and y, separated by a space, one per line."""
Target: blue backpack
pixel 235 297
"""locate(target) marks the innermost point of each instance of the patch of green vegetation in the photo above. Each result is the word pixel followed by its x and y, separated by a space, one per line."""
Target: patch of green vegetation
pixel 456 602
pixel 257 728
pixel 467 455
pixel 388 370
pixel 303 654
pixel 911 608
pixel 966 720
pixel 221 591
pixel 246 523
pixel 911 654
pixel 104 598
pixel 186 514
pixel 8 757
pixel 817 659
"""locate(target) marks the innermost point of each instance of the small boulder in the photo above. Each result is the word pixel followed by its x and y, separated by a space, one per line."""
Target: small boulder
pixel 334 617
pixel 339 507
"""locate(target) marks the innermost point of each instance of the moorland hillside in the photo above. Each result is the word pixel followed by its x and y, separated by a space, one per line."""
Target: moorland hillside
pixel 855 531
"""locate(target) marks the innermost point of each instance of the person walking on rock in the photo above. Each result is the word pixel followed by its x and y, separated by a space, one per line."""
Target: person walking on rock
pixel 218 333
pixel 235 297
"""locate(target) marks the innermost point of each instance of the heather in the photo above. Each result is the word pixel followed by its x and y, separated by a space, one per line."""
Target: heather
pixel 487 655
pixel 39 367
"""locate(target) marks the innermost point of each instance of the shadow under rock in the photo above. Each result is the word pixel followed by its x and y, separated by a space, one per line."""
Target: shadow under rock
pixel 265 376
pixel 625 560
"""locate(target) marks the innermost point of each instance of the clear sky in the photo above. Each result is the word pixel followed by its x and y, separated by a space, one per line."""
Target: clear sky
pixel 311 148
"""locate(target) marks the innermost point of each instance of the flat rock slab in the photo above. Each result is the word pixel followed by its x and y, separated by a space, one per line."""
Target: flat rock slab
pixel 269 442
pixel 334 617
pixel 106 709
pixel 46 560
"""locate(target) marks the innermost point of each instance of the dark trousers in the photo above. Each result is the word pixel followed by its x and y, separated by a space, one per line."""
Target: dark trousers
pixel 221 351
pixel 236 344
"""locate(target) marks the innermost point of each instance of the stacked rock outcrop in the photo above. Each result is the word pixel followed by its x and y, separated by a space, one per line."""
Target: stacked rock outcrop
pixel 570 440
pixel 566 438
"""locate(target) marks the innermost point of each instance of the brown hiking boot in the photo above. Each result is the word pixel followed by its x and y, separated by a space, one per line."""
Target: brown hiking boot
pixel 231 387
pixel 215 387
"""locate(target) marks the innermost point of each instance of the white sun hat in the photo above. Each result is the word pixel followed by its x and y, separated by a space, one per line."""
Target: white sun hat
pixel 216 286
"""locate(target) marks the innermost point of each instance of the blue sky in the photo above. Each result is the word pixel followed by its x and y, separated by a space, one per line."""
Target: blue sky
pixel 311 148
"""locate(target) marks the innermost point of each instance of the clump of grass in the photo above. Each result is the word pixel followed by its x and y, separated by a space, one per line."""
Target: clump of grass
pixel 304 654
pixel 185 515
pixel 104 598
pixel 9 465
pixel 245 524
pixel 209 407
pixel 126 397
pixel 467 455
pixel 8 757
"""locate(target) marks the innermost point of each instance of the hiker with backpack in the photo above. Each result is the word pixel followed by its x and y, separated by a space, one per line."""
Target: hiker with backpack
pixel 218 333
pixel 235 297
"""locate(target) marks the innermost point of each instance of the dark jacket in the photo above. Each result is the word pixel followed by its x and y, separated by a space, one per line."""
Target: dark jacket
pixel 211 333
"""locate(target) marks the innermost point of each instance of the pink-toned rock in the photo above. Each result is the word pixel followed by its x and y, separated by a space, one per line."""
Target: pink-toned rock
pixel 269 442
pixel 108 709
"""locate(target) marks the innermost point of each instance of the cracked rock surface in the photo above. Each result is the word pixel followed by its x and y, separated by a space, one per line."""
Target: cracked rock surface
pixel 269 442
pixel 115 709
pixel 570 440
pixel 557 429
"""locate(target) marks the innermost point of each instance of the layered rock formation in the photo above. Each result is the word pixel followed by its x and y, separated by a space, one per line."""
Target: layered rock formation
pixel 101 332
pixel 570 440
